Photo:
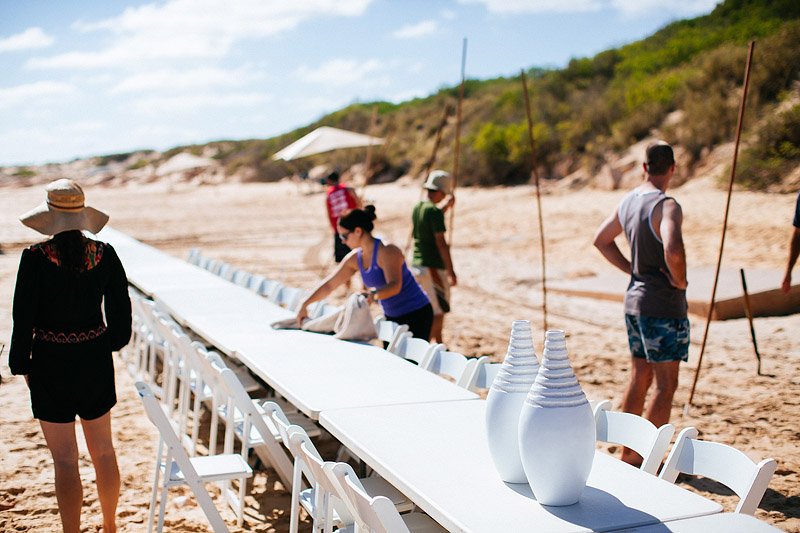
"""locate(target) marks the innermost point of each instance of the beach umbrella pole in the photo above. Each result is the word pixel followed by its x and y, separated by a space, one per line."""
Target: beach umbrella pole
pixel 742 105
pixel 538 193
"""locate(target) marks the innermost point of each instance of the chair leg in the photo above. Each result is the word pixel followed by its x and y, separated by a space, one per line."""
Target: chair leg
pixel 156 476
pixel 164 492
pixel 294 519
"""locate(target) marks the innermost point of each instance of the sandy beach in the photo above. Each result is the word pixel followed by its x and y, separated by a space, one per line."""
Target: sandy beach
pixel 279 231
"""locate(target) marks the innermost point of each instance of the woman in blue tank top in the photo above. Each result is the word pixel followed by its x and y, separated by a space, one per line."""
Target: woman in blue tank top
pixel 384 272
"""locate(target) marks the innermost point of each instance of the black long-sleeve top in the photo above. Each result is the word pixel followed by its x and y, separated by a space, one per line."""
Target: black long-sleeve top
pixel 51 300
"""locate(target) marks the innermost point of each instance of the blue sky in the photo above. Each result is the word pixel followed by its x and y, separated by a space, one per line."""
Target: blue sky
pixel 94 77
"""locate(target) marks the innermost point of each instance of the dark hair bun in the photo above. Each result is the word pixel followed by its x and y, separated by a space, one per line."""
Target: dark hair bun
pixel 370 211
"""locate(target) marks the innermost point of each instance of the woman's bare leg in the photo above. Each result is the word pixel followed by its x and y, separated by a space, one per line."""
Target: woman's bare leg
pixel 63 446
pixel 101 449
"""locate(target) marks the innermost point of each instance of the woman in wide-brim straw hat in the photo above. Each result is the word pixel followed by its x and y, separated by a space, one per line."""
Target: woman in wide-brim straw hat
pixel 62 345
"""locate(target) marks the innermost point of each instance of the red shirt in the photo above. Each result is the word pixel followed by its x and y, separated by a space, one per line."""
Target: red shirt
pixel 339 200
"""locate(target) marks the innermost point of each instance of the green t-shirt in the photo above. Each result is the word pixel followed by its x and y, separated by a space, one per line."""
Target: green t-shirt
pixel 428 220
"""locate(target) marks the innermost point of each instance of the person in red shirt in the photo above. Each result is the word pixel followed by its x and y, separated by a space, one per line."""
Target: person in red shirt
pixel 338 199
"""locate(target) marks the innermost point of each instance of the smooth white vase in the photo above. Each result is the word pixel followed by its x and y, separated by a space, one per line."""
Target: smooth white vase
pixel 504 402
pixel 556 429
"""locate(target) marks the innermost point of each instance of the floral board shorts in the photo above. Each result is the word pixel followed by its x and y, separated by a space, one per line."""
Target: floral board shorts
pixel 658 340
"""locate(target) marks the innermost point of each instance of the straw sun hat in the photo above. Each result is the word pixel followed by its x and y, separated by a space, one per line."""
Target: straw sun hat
pixel 64 210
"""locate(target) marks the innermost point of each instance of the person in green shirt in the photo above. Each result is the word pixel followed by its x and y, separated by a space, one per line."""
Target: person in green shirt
pixel 432 265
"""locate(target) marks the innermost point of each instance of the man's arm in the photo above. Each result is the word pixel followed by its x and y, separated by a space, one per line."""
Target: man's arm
pixel 671 236
pixel 448 202
pixel 604 241
pixel 444 252
pixel 794 252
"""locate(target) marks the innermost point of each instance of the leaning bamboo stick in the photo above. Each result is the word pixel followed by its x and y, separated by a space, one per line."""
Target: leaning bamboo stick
pixel 742 106
pixel 457 150
pixel 368 159
pixel 538 193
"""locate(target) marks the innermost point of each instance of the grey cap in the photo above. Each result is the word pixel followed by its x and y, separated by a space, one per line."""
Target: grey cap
pixel 439 180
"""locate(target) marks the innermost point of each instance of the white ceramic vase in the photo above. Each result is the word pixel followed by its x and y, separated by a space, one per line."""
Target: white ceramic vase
pixel 556 429
pixel 504 402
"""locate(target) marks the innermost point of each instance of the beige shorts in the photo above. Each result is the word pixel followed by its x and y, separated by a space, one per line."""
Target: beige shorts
pixel 438 291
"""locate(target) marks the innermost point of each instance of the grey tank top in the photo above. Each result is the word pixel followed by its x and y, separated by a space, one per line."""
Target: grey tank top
pixel 649 291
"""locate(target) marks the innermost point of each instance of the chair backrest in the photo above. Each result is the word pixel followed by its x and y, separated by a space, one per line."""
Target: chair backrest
pixel 270 289
pixel 371 514
pixel 227 272
pixel 449 364
pixel 389 332
pixel 160 421
pixel 721 463
pixel 194 256
pixel 482 374
pixel 290 297
pixel 634 432
pixel 255 282
pixel 326 491
pixel 414 349
pixel 241 278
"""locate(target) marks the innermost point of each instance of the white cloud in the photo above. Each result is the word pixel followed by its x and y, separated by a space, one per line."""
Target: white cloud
pixel 448 14
pixel 342 72
pixel 675 7
pixel 538 6
pixel 192 29
pixel 191 103
pixel 415 31
pixel 27 40
pixel 631 8
pixel 32 93
pixel 172 79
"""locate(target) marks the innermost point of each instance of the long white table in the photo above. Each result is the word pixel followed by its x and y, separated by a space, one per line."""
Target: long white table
pixel 438 456
pixel 314 372
pixel 721 522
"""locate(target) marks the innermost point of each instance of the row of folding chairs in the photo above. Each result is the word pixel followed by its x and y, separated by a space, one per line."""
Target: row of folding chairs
pixel 273 290
pixel 186 379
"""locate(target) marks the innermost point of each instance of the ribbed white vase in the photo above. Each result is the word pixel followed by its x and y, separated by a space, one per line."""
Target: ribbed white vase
pixel 504 402
pixel 556 429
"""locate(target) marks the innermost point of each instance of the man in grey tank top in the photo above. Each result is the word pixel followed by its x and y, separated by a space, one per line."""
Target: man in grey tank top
pixel 655 302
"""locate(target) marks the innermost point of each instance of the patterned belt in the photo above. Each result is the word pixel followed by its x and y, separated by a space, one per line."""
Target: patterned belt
pixel 60 337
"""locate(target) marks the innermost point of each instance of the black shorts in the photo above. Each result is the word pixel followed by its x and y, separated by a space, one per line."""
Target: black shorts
pixel 340 249
pixel 69 380
pixel 419 321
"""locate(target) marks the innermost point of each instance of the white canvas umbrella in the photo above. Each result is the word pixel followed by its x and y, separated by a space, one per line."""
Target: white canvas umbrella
pixel 325 139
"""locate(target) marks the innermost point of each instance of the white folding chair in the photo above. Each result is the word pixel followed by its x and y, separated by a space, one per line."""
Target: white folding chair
pixel 252 428
pixel 308 462
pixel 241 278
pixel 449 364
pixel 194 256
pixel 255 282
pixel 376 513
pixel 389 332
pixel 721 463
pixel 634 432
pixel 414 349
pixel 290 297
pixel 178 468
pixel 270 289
pixel 482 374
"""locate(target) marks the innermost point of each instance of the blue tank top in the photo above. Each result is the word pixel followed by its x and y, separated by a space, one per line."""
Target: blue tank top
pixel 411 296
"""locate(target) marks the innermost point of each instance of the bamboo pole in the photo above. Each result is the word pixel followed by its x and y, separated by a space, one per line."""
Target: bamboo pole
pixel 524 81
pixel 742 105
pixel 749 312
pixel 457 150
pixel 429 166
pixel 368 159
